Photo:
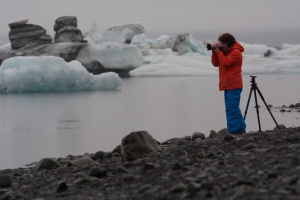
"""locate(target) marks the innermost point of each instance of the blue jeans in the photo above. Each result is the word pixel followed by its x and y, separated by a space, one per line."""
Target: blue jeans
pixel 235 119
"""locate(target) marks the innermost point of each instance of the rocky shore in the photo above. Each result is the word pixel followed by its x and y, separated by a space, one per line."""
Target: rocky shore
pixel 259 165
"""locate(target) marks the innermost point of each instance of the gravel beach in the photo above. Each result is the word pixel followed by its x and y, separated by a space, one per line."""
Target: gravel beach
pixel 257 165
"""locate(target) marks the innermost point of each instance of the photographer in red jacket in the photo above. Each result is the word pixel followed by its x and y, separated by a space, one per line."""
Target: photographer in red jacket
pixel 227 55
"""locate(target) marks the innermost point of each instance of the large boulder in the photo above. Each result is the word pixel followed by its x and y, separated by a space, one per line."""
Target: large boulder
pixel 137 144
pixel 5 180
pixel 27 35
pixel 47 163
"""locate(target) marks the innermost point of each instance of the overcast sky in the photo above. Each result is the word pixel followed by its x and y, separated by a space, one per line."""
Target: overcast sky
pixel 270 22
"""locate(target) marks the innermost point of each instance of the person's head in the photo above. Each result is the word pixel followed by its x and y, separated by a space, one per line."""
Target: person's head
pixel 227 40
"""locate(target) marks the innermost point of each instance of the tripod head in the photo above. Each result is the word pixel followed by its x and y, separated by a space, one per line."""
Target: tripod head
pixel 253 80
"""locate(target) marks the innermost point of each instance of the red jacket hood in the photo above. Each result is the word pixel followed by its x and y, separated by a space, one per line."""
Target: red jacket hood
pixel 236 46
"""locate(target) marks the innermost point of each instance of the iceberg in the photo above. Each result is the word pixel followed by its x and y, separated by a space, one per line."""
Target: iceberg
pixel 257 49
pixel 94 34
pixel 51 74
pixel 96 54
pixel 182 43
pixel 123 33
pixel 190 64
pixel 126 50
pixel 286 46
pixel 194 64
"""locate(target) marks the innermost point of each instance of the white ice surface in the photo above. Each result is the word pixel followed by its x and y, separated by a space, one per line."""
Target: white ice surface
pixel 112 55
pixel 193 64
pixel 167 63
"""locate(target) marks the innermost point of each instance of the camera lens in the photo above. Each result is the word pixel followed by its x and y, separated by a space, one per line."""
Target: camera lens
pixel 208 46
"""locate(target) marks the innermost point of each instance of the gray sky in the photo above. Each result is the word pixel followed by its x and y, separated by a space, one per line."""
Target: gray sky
pixel 271 22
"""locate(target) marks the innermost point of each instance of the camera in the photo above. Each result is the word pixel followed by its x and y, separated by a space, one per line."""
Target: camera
pixel 208 47
pixel 215 44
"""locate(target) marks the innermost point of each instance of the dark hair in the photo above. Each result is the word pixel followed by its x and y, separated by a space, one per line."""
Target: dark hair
pixel 228 39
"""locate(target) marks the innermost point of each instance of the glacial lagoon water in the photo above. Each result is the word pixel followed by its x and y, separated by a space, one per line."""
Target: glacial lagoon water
pixel 38 125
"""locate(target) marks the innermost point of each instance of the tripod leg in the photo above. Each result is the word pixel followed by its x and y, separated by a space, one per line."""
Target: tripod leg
pixel 261 96
pixel 248 103
pixel 257 111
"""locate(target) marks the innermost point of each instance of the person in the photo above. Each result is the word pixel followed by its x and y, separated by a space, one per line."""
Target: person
pixel 227 56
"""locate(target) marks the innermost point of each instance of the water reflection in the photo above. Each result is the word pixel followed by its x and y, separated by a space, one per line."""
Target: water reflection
pixel 38 125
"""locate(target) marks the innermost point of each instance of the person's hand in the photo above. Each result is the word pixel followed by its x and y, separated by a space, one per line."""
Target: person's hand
pixel 215 49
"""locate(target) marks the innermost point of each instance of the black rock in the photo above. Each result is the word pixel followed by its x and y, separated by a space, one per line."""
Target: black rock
pixel 98 172
pixel 5 180
pixel 178 166
pixel 178 188
pixel 98 155
pixel 207 185
pixel 272 175
pixel 196 135
pixel 193 187
pixel 121 169
pixel 245 182
pixel 117 149
pixel 223 131
pixel 47 163
pixel 229 137
pixel 148 166
pixel 145 188
pixel 128 178
pixel 250 146
pixel 81 180
pixel 61 186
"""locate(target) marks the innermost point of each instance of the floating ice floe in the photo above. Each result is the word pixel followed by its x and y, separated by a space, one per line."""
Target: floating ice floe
pixel 51 74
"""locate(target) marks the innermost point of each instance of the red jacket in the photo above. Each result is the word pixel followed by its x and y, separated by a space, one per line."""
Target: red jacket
pixel 230 67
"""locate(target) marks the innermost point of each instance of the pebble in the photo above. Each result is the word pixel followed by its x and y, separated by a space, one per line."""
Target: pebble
pixel 82 161
pixel 178 188
pixel 148 166
pixel 61 186
pixel 213 134
pixel 47 163
pixel 145 188
pixel 193 187
pixel 98 172
pixel 180 142
pixel 250 146
pixel 98 155
pixel 196 135
pixel 121 169
pixel 81 180
pixel 128 178
pixel 229 137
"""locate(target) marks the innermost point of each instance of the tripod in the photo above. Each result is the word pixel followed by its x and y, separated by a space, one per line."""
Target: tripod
pixel 255 88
